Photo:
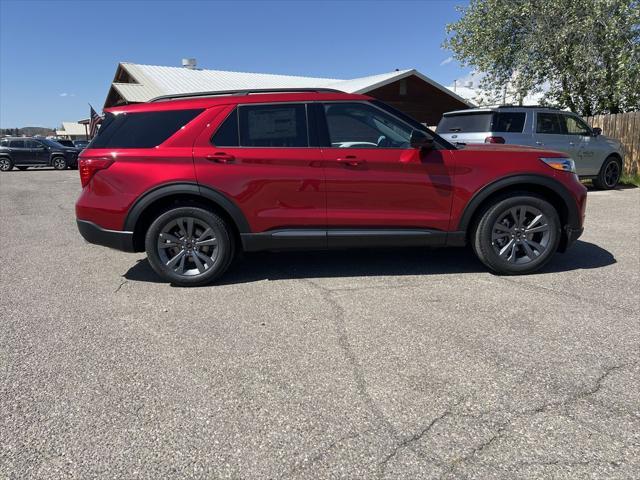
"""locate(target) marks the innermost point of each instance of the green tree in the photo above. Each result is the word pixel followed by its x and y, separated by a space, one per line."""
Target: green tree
pixel 584 53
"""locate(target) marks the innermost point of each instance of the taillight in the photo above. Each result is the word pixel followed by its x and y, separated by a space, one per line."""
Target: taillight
pixel 494 140
pixel 89 166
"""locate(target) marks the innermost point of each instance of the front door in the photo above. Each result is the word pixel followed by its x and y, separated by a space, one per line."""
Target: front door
pixel 375 180
pixel 590 157
pixel 36 152
pixel 260 157
pixel 551 134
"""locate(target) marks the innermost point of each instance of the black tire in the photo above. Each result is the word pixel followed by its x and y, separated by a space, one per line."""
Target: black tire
pixel 609 174
pixel 22 168
pixel 498 230
pixel 59 163
pixel 6 164
pixel 187 272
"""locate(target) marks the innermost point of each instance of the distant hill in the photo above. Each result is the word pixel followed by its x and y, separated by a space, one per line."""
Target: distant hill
pixel 28 131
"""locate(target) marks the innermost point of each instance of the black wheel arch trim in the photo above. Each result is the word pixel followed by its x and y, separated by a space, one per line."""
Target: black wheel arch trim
pixel 573 214
pixel 189 188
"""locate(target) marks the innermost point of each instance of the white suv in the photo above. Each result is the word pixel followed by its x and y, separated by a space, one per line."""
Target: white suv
pixel 596 156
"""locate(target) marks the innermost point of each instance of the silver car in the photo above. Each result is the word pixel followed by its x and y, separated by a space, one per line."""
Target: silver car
pixel 596 156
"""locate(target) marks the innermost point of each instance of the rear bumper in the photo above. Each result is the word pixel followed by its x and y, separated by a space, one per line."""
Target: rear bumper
pixel 117 239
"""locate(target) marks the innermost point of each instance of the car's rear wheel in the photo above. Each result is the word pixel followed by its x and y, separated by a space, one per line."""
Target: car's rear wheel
pixel 5 164
pixel 609 174
pixel 517 235
pixel 59 163
pixel 189 246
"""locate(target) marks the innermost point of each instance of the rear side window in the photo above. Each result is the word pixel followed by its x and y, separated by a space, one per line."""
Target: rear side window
pixel 17 144
pixel 227 133
pixel 465 122
pixel 140 130
pixel 281 125
pixel 548 123
pixel 509 122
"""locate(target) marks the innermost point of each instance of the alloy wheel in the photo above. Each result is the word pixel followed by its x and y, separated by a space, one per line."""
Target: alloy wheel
pixel 188 246
pixel 5 164
pixel 59 163
pixel 521 234
pixel 612 174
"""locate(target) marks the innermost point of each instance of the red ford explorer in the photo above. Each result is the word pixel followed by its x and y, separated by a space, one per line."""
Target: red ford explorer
pixel 194 179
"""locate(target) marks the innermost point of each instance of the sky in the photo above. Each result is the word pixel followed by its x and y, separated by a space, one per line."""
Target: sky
pixel 56 57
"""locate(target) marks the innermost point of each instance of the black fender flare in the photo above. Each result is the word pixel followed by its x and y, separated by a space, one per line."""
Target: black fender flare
pixel 189 188
pixel 573 215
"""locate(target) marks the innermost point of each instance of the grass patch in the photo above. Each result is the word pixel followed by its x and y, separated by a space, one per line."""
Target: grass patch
pixel 630 180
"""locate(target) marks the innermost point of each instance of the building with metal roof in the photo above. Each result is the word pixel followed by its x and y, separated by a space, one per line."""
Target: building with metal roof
pixel 408 90
pixel 72 131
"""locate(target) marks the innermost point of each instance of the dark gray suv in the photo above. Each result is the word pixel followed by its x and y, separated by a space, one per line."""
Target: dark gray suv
pixel 25 152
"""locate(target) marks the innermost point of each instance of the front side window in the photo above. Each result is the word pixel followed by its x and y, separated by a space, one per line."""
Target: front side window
pixel 141 130
pixel 575 126
pixel 357 125
pixel 548 123
pixel 279 125
pixel 32 144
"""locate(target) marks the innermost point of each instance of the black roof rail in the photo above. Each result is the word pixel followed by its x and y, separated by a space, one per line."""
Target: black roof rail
pixel 527 106
pixel 243 92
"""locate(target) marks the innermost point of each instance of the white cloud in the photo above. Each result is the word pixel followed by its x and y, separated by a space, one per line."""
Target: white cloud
pixel 64 94
pixel 446 61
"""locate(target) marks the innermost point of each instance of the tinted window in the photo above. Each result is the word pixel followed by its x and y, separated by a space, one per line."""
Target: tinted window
pixel 227 133
pixel 465 122
pixel 357 125
pixel 548 123
pixel 575 126
pixel 4 143
pixel 17 144
pixel 511 122
pixel 32 144
pixel 282 125
pixel 140 130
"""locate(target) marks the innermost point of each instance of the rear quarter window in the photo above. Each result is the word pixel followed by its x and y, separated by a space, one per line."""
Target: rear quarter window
pixel 141 130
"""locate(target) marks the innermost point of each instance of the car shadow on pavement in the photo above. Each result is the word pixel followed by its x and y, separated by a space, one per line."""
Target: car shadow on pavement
pixel 379 262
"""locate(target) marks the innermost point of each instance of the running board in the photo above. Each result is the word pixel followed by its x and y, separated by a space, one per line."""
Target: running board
pixel 312 239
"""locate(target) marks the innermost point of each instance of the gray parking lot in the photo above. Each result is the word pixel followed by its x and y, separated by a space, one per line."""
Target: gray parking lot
pixel 360 364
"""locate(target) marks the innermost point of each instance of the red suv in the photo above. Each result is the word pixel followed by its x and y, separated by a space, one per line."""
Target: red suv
pixel 194 179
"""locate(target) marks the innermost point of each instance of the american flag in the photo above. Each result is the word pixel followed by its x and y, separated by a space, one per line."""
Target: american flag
pixel 94 122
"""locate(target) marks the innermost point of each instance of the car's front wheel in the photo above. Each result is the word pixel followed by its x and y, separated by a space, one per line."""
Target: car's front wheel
pixel 5 164
pixel 189 246
pixel 517 234
pixel 59 163
pixel 609 174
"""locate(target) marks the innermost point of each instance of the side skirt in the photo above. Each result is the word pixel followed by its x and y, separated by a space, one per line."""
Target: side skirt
pixel 314 239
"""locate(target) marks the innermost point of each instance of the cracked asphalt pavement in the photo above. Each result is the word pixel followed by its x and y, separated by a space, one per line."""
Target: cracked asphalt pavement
pixel 360 364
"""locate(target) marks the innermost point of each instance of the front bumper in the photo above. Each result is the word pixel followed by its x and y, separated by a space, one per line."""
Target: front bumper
pixel 92 233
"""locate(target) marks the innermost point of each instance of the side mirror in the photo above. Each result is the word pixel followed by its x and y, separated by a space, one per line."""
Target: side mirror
pixel 419 139
pixel 596 131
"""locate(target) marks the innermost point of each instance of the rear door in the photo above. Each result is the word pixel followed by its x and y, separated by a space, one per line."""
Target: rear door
pixel 263 158
pixel 375 179
pixel 19 152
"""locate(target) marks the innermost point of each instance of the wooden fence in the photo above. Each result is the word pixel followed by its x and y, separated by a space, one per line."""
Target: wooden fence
pixel 626 128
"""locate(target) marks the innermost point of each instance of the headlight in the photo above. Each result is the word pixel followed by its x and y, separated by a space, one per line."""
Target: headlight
pixel 561 163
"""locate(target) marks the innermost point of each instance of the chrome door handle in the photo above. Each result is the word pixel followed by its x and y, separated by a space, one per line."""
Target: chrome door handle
pixel 539 143
pixel 571 143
